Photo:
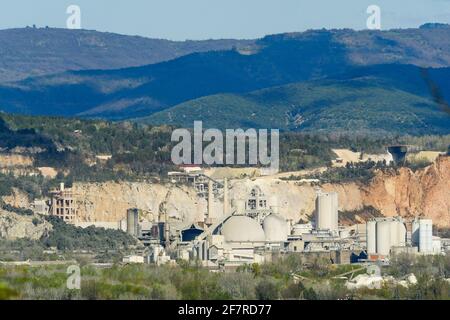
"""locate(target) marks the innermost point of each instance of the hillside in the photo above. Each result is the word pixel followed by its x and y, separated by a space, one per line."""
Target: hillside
pixel 30 52
pixel 396 100
pixel 271 61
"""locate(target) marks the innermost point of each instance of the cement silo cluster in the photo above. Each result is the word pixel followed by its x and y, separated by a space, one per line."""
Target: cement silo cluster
pixel 327 211
pixel 383 234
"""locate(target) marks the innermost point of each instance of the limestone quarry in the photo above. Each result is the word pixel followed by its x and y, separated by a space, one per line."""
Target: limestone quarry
pixel 424 193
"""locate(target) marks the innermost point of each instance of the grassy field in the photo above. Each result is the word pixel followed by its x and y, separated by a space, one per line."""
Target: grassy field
pixel 256 282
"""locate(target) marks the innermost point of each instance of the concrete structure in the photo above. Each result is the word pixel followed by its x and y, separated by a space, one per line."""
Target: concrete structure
pixel 256 205
pixel 371 235
pixel 243 229
pixel 437 245
pixel 327 211
pixel 133 259
pixel 296 246
pixel 133 222
pixel 158 256
pixel 299 229
pixel 63 204
pixel 383 234
pixel 276 229
pixel 425 236
pixel 383 240
pixel 40 207
pixel 404 250
pixel 253 231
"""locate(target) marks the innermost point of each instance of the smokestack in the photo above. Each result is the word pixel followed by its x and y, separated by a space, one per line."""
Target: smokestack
pixel 61 186
pixel 210 199
pixel 226 201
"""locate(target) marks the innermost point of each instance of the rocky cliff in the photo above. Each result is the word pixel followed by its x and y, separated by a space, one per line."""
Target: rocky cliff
pixel 14 226
pixel 108 202
pixel 423 193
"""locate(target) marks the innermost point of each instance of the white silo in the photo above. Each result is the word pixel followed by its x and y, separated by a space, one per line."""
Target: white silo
pixel 275 228
pixel 383 237
pixel 133 222
pixel 425 236
pixel 394 232
pixel 371 236
pixel 327 211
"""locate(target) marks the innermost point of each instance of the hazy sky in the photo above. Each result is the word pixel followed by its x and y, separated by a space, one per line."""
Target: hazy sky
pixel 203 19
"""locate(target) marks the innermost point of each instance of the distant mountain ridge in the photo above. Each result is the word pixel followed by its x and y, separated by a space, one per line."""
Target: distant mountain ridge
pixel 385 64
pixel 385 98
pixel 28 52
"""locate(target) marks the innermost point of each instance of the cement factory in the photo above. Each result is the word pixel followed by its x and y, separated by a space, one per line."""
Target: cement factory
pixel 252 230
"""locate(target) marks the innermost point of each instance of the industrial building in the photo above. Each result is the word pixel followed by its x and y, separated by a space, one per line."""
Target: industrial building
pixel 388 236
pixel 249 230
pixel 63 204
pixel 422 237
pixel 383 234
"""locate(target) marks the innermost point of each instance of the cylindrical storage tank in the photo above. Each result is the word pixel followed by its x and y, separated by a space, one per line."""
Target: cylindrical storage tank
pixel 394 233
pixel 415 233
pixel 383 237
pixel 132 222
pixel 275 228
pixel 371 236
pixel 401 233
pixel 327 211
pixel 425 236
pixel 335 208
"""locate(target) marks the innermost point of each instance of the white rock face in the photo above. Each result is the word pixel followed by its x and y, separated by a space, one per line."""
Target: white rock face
pixel 14 226
pixel 109 202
